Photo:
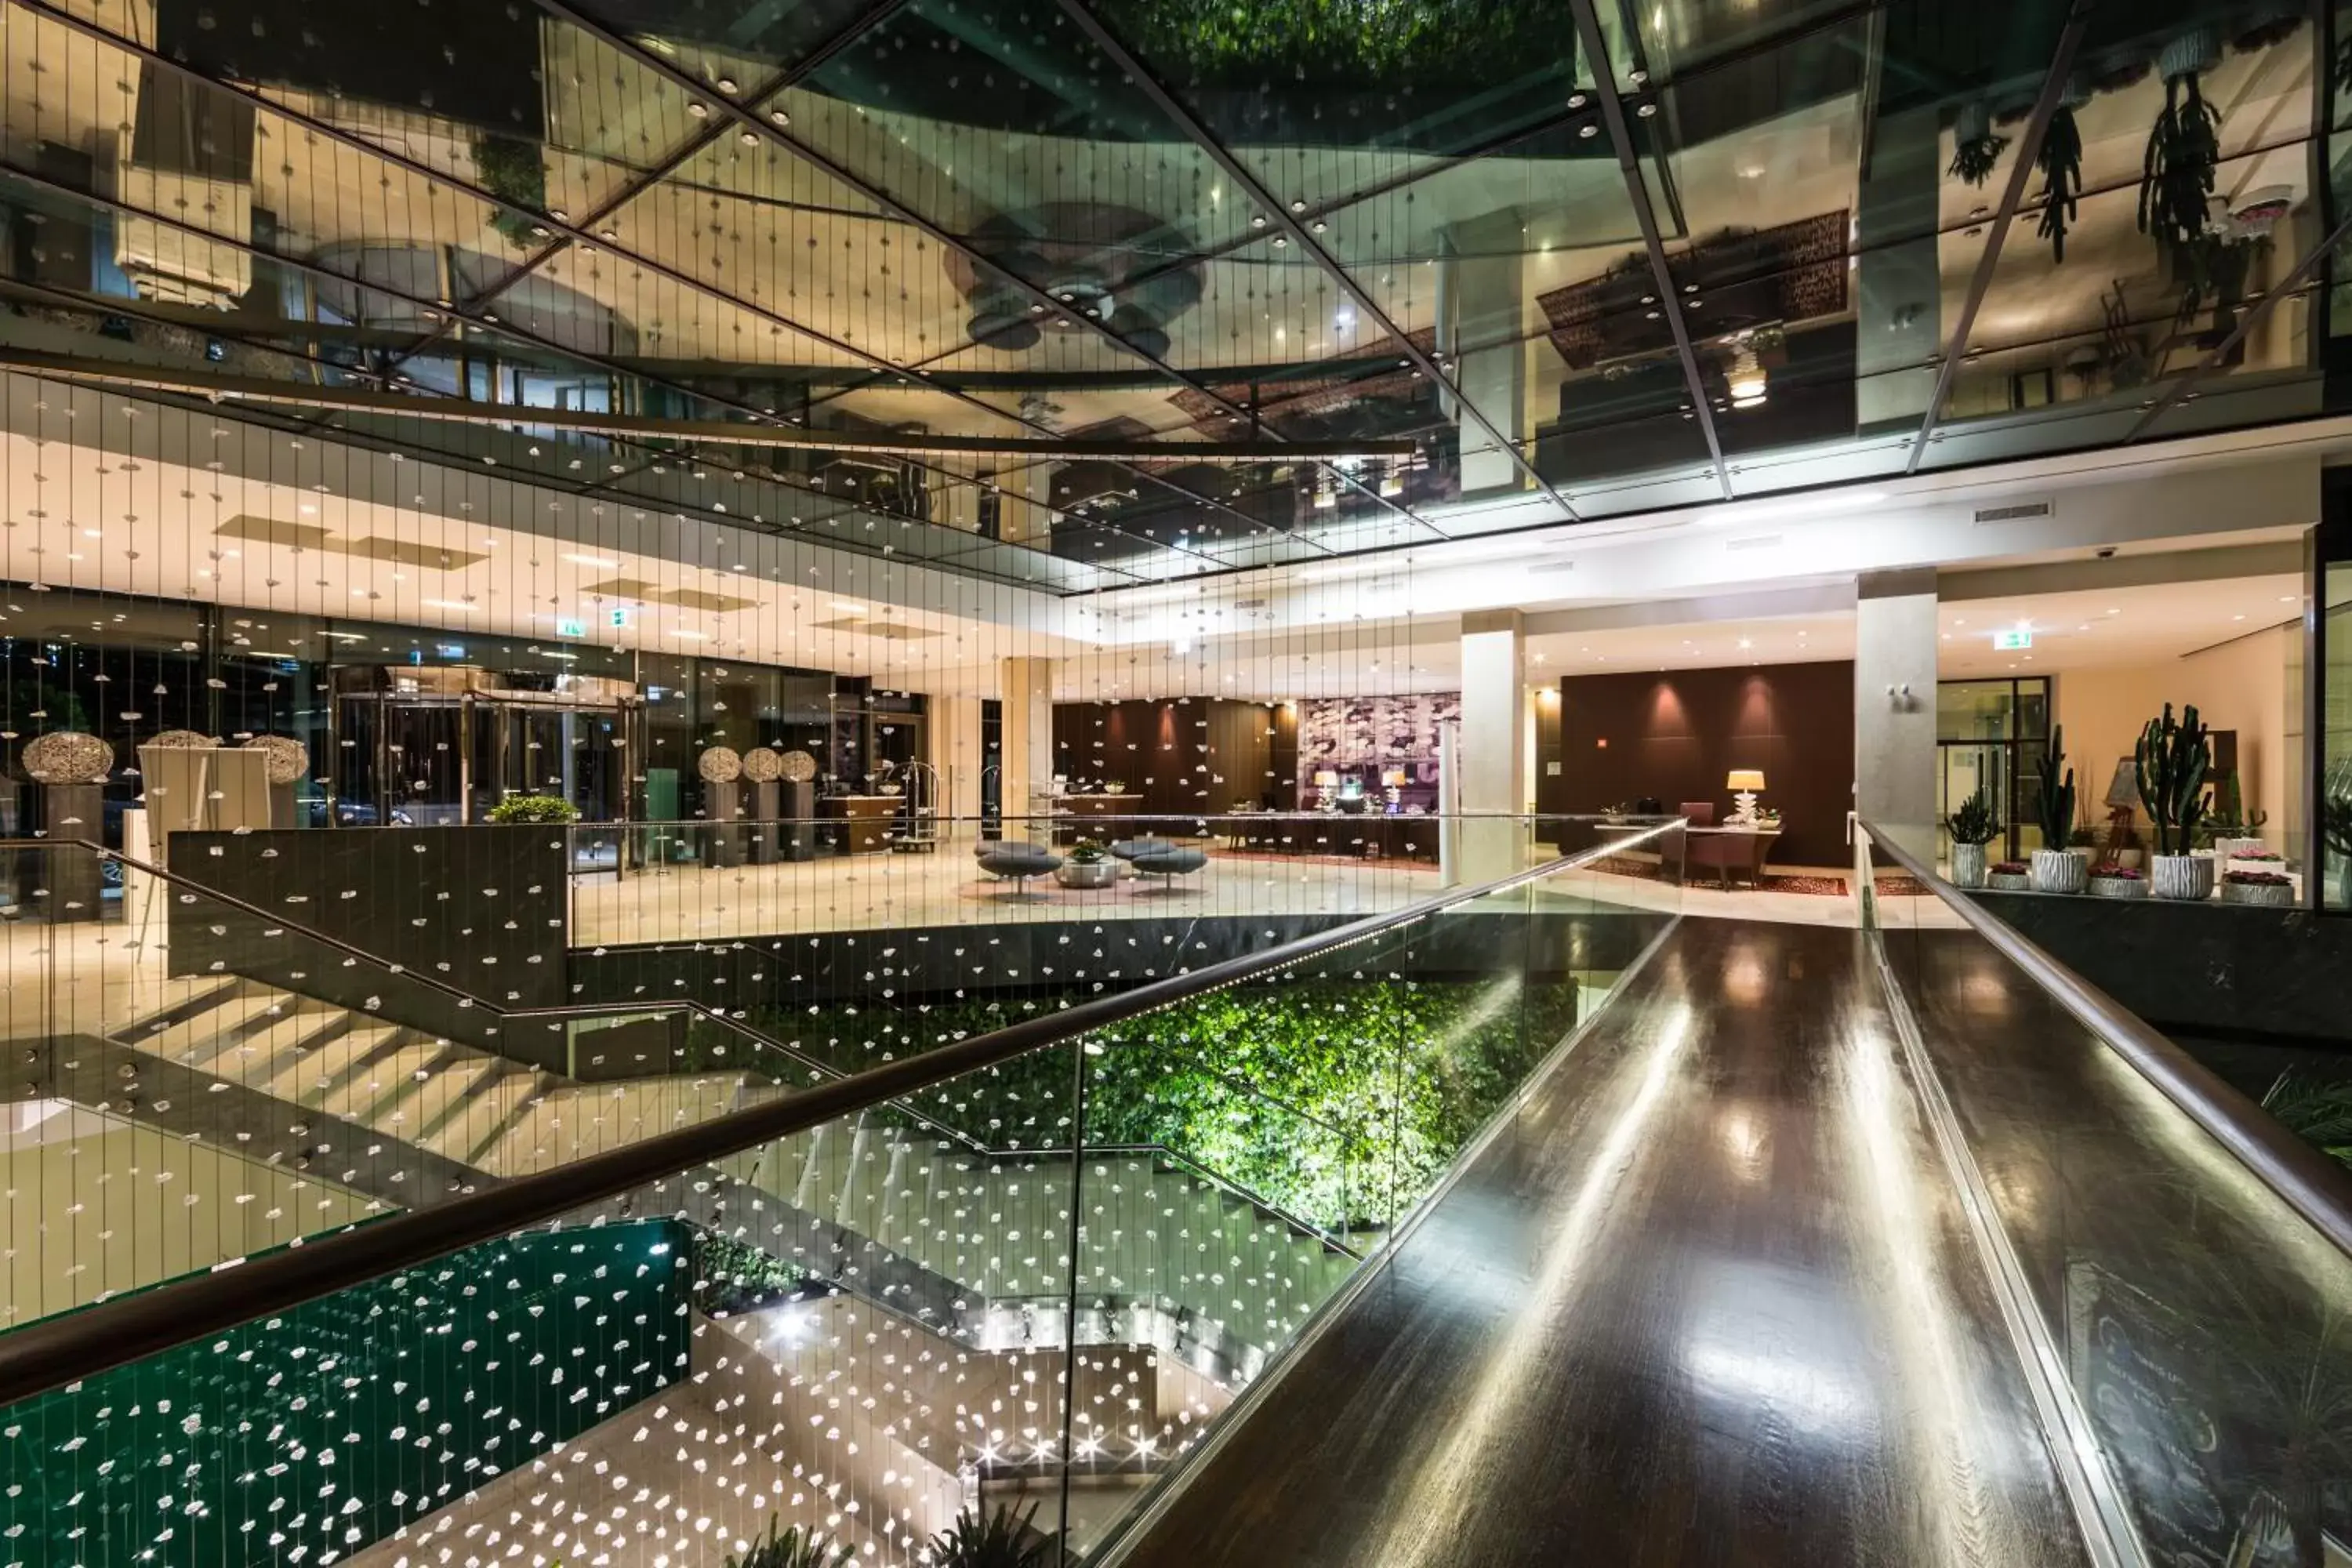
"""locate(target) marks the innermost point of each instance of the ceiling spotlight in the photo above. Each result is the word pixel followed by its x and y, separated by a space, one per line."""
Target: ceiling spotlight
pixel 1746 380
pixel 779 117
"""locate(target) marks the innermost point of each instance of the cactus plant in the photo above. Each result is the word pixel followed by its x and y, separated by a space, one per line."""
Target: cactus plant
pixel 1974 822
pixel 2057 792
pixel 2169 760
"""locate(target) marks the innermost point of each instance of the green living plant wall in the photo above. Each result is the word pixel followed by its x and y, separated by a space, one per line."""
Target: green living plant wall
pixel 1340 1101
pixel 303 1438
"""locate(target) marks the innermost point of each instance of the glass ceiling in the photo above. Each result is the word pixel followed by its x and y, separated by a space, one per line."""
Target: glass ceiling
pixel 1588 260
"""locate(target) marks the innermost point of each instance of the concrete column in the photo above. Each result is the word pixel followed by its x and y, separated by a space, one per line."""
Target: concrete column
pixel 1898 284
pixel 956 753
pixel 1481 324
pixel 1494 744
pixel 1026 689
pixel 1895 648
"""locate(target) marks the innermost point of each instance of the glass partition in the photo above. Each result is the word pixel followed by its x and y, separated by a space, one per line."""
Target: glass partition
pixel 1032 1287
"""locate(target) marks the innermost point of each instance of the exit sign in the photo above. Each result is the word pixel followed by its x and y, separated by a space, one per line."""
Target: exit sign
pixel 572 628
pixel 2010 641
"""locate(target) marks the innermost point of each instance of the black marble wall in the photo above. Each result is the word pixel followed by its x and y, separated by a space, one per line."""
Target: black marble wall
pixel 2203 969
pixel 480 909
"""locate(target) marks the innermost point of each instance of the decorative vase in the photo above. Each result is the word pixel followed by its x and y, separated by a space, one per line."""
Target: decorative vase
pixel 2188 878
pixel 2006 883
pixel 1968 865
pixel 1087 874
pixel 2118 888
pixel 2259 895
pixel 2060 872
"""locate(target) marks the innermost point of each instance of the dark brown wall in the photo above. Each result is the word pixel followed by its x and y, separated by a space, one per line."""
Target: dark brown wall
pixel 1190 756
pixel 1676 734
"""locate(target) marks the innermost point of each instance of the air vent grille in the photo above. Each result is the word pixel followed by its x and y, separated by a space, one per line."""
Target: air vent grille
pixel 2016 511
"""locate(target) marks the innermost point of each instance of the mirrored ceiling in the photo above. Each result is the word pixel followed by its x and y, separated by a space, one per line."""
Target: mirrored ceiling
pixel 1554 262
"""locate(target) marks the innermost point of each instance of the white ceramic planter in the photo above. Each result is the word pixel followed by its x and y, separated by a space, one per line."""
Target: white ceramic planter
pixel 2228 849
pixel 2118 888
pixel 2186 877
pixel 2259 895
pixel 1968 865
pixel 2002 883
pixel 2061 871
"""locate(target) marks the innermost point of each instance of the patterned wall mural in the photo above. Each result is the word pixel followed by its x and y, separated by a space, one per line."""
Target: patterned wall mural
pixel 1340 732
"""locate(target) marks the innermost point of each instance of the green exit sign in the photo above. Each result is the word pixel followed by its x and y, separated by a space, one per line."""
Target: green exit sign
pixel 2010 641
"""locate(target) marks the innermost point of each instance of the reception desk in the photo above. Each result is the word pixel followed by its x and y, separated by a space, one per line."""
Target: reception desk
pixel 859 823
pixel 1097 816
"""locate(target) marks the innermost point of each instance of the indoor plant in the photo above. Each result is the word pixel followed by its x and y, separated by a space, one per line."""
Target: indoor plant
pixel 2056 868
pixel 2184 148
pixel 2059 160
pixel 789 1548
pixel 517 808
pixel 1087 866
pixel 2008 877
pixel 998 1538
pixel 2109 880
pixel 1976 150
pixel 1972 827
pixel 2266 890
pixel 2237 834
pixel 2170 759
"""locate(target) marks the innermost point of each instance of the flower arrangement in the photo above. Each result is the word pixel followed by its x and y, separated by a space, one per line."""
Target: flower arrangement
pixel 2115 873
pixel 2258 879
pixel 2009 868
pixel 2262 889
pixel 1086 852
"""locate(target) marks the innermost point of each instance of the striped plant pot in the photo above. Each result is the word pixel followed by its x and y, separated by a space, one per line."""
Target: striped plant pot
pixel 2061 871
pixel 2187 877
pixel 2259 895
pixel 2118 888
pixel 2004 882
pixel 1968 865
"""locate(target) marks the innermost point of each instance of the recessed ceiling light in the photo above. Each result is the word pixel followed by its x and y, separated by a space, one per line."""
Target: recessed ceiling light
pixel 590 561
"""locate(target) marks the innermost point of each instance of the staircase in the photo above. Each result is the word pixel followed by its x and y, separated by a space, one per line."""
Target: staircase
pixel 971 1243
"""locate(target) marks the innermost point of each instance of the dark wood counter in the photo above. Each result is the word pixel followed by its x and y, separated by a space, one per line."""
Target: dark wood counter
pixel 865 821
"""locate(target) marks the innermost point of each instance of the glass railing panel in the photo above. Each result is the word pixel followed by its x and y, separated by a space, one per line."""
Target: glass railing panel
pixel 2197 1313
pixel 193 1080
pixel 1033 1285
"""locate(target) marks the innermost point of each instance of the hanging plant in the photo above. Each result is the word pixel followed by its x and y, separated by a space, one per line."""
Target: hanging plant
pixel 2184 149
pixel 1975 149
pixel 2061 162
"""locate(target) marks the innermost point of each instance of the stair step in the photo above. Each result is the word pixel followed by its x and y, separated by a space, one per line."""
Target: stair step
pixel 480 1113
pixel 250 1057
pixel 306 1079
pixel 185 1036
pixel 375 1083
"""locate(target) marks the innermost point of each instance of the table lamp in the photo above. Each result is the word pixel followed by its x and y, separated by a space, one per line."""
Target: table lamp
pixel 1744 782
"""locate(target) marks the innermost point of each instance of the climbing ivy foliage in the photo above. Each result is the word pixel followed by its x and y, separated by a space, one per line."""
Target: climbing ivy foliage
pixel 1338 1100
pixel 1342 42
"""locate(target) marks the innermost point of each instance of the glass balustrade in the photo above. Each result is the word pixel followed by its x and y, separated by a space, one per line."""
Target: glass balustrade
pixel 1032 1285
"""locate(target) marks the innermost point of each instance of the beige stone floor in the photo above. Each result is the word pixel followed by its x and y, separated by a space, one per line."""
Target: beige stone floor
pixel 93 977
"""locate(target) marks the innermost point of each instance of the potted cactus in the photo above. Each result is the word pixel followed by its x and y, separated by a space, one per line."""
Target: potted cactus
pixel 2008 877
pixel 2110 880
pixel 2056 868
pixel 2237 832
pixel 1972 828
pixel 2170 760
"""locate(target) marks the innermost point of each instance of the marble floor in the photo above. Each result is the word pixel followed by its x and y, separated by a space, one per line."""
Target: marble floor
pixel 872 892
